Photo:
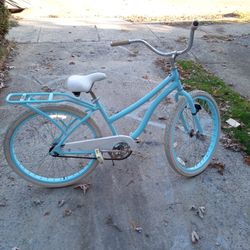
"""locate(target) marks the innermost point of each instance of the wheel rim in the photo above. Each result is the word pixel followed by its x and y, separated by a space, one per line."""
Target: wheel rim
pixel 42 150
pixel 191 153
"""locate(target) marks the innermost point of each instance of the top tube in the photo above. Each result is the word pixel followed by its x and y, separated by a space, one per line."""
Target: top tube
pixel 143 100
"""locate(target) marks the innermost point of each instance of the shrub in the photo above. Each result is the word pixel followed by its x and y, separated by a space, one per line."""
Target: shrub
pixel 4 21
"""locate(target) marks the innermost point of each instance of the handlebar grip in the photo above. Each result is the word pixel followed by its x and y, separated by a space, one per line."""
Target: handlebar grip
pixel 119 43
pixel 194 25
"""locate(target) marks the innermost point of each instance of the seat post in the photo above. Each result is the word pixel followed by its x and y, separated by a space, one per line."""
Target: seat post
pixel 93 95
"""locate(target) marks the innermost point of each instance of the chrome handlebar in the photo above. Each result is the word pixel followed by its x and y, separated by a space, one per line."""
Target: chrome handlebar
pixel 194 26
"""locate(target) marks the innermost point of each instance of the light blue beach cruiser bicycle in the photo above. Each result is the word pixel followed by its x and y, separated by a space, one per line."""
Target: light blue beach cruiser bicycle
pixel 54 144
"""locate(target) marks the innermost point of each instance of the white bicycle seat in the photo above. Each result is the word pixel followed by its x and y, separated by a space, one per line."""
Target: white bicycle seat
pixel 83 83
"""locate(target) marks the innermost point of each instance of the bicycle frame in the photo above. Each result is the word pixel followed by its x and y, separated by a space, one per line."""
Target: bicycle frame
pixel 168 85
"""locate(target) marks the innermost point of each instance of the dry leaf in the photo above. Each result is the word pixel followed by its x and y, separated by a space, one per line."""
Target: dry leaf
pixel 247 160
pixel 46 213
pixel 61 203
pixel 110 222
pixel 201 212
pixel 84 187
pixel 168 100
pixel 136 227
pixel 3 203
pixel 10 67
pixel 187 86
pixel 67 212
pixel 195 237
pixel 219 166
pixel 37 202
pixel 46 88
pixel 231 144
pixel 162 118
pixel 2 85
pixel 193 207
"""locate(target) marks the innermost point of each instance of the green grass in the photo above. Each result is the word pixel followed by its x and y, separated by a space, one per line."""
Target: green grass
pixel 4 21
pixel 3 51
pixel 231 104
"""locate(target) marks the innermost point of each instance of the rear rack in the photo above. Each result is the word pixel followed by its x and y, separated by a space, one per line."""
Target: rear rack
pixel 45 97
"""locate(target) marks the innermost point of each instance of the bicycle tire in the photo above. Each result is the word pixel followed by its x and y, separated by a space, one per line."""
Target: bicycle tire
pixel 33 131
pixel 187 154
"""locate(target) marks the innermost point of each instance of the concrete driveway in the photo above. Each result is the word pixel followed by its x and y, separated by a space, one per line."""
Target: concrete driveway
pixel 141 191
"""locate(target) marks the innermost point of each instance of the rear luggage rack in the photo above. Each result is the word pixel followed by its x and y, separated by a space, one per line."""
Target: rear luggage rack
pixel 44 97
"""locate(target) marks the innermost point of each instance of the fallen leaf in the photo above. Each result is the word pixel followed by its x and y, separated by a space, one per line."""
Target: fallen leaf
pixel 231 144
pixel 2 204
pixel 247 160
pixel 46 213
pixel 168 100
pixel 10 67
pixel 162 118
pixel 187 86
pixel 84 187
pixel 15 248
pixel 193 207
pixel 219 166
pixel 67 212
pixel 37 202
pixel 46 88
pixel 2 85
pixel 195 237
pixel 130 182
pixel 136 227
pixel 110 222
pixel 61 203
pixel 145 77
pixel 201 211
pixel 72 63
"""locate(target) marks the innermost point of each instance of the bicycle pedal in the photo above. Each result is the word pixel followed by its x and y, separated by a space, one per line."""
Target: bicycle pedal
pixel 99 155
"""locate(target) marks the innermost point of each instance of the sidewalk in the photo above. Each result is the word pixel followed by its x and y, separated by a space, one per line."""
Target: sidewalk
pixel 222 48
pixel 141 191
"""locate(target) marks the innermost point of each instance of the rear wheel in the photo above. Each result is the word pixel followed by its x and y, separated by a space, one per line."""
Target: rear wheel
pixel 188 151
pixel 30 138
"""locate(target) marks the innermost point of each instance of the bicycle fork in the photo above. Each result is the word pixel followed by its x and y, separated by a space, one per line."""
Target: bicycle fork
pixel 194 110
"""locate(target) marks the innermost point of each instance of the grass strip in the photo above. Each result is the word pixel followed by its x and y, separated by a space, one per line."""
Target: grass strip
pixel 230 103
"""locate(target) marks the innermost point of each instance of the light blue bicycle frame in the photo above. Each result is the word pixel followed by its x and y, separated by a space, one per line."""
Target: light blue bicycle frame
pixel 169 84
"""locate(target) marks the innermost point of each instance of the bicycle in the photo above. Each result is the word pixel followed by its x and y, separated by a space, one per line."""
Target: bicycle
pixel 190 137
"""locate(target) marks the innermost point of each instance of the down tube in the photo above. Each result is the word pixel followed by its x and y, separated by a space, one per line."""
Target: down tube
pixel 151 109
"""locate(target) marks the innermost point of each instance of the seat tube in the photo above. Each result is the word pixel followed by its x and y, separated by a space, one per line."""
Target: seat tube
pixel 106 117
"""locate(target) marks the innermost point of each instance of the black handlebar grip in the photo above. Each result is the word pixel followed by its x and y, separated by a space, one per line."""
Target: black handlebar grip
pixel 195 25
pixel 119 43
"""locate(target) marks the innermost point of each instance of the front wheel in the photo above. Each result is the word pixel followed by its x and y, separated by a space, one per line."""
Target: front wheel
pixel 189 151
pixel 30 138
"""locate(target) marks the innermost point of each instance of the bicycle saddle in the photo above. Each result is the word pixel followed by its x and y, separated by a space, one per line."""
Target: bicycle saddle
pixel 83 83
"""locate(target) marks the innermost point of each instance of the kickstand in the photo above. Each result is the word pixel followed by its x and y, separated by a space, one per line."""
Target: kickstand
pixel 113 162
